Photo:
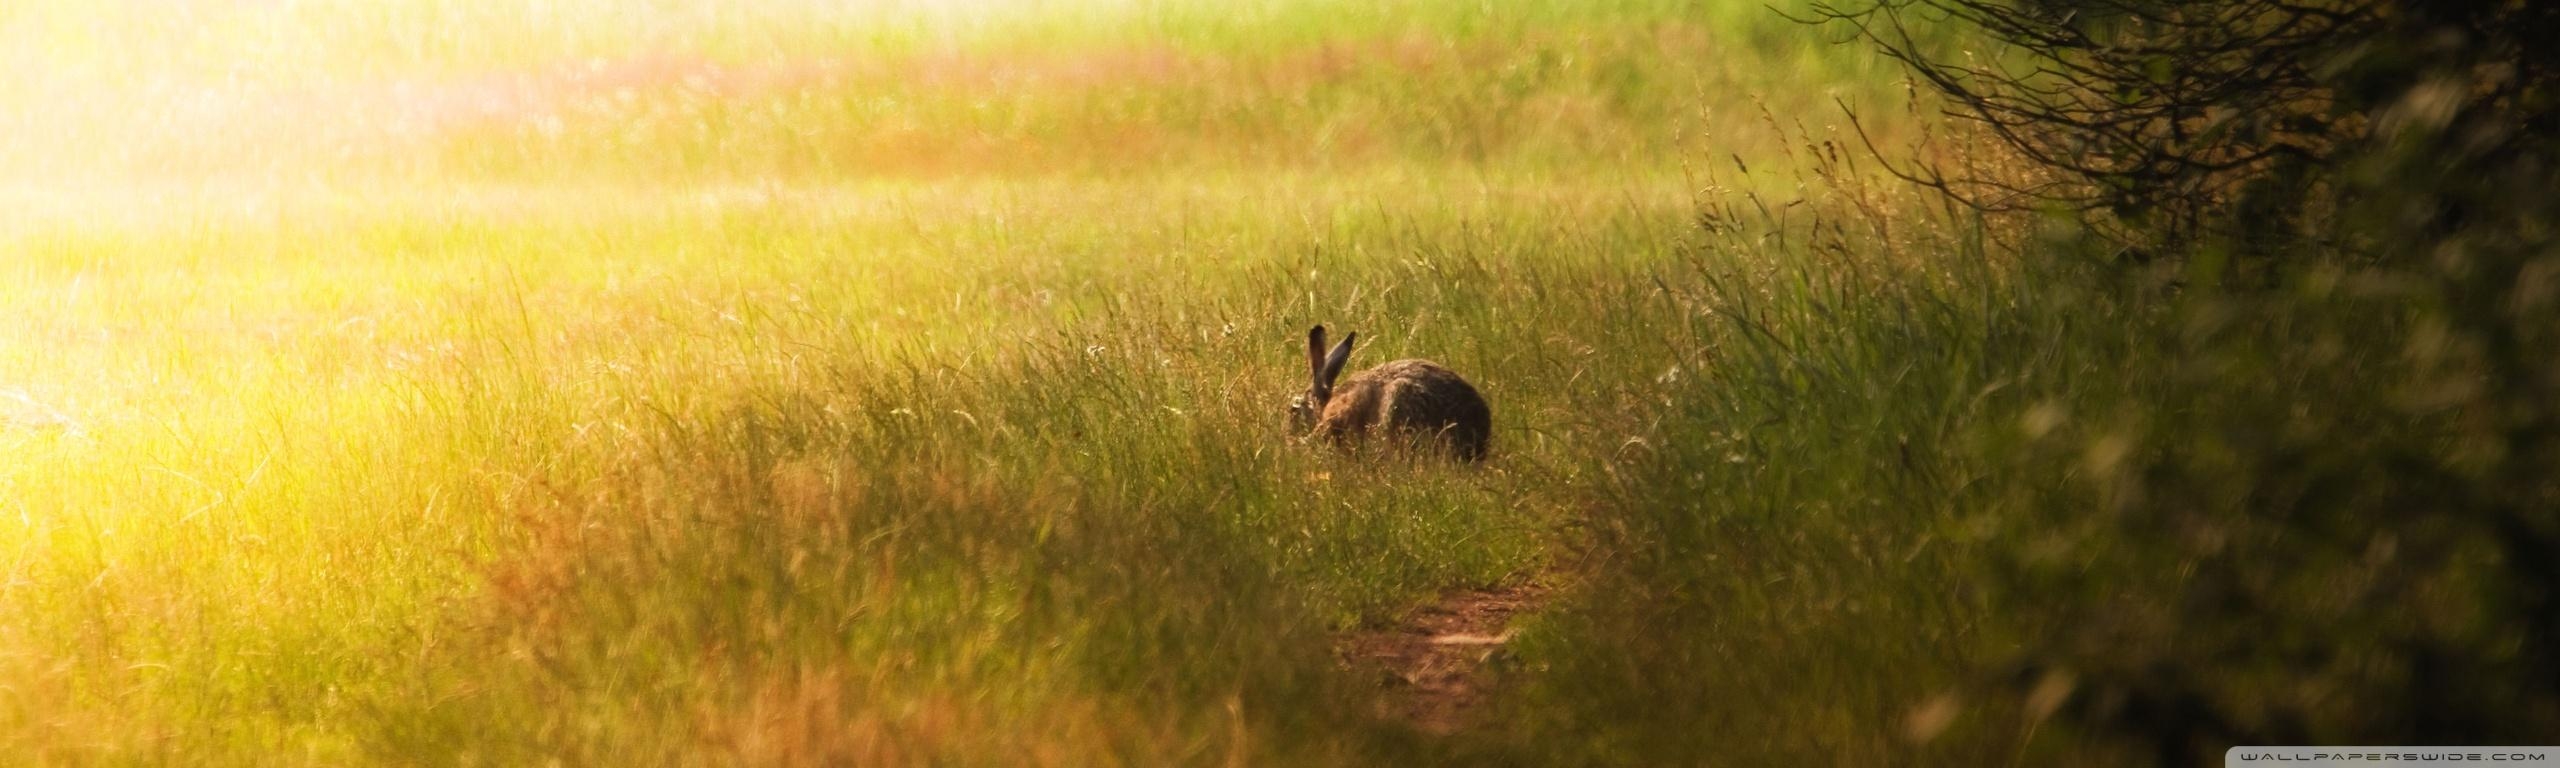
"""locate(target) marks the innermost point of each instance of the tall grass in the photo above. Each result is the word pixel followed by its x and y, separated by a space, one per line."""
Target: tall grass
pixel 702 480
pixel 807 383
pixel 2011 504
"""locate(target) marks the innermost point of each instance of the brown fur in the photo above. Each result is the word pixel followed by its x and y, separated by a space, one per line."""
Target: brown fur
pixel 1412 398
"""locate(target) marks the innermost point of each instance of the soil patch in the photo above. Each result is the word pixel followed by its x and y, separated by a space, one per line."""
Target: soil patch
pixel 1434 665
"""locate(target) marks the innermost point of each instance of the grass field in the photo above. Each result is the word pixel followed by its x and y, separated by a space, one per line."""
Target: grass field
pixel 641 383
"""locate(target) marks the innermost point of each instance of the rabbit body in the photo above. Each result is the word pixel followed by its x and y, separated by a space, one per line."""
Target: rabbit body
pixel 1412 399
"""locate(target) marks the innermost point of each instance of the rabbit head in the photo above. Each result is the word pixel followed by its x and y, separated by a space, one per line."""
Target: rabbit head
pixel 1323 369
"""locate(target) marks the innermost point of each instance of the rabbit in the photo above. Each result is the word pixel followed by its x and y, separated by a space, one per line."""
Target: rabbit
pixel 1414 398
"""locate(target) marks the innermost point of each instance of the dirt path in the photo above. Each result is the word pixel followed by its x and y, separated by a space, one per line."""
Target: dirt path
pixel 1431 665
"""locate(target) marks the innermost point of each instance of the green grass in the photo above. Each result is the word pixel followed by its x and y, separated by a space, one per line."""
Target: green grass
pixel 421 481
pixel 423 383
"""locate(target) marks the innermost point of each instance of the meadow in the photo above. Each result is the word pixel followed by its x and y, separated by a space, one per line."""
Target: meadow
pixel 668 383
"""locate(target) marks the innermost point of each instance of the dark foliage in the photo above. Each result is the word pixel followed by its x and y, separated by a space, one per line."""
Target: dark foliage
pixel 2335 518
pixel 2174 123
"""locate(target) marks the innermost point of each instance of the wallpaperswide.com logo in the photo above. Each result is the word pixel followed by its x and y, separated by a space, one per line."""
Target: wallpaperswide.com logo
pixel 2389 757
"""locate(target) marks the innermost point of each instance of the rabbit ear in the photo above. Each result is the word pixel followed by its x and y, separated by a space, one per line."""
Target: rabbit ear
pixel 1333 363
pixel 1315 356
